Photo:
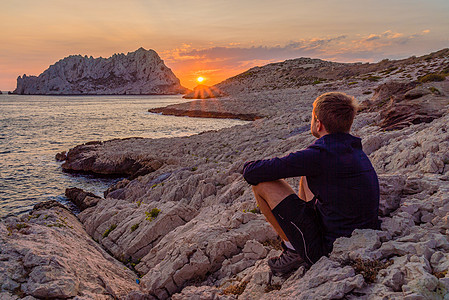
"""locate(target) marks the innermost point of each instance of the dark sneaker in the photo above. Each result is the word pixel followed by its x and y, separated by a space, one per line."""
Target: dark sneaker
pixel 288 261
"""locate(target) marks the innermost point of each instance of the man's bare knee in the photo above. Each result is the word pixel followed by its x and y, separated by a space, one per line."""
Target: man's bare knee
pixel 273 192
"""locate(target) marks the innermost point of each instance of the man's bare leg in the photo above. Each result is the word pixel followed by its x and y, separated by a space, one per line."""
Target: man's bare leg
pixel 268 195
pixel 304 192
pixel 271 193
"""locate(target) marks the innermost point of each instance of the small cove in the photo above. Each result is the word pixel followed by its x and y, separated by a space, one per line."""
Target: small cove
pixel 35 128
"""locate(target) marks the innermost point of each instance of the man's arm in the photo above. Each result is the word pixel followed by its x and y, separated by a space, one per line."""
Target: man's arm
pixel 305 162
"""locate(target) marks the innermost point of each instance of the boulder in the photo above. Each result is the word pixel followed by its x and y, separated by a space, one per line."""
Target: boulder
pixel 391 187
pixel 61 156
pixel 81 198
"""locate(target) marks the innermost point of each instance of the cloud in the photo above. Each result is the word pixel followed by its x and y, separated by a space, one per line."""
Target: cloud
pixel 221 62
pixel 242 55
pixel 388 38
pixel 237 57
pixel 389 35
pixel 420 34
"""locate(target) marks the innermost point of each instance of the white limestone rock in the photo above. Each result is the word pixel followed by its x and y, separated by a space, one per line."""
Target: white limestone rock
pixel 49 255
pixel 440 261
pixel 362 244
pixel 138 72
pixel 391 187
pixel 418 280
pixel 202 293
pixel 192 250
pixel 326 279
pixel 134 231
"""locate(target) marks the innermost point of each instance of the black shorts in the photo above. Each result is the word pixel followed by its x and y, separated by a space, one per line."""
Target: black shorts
pixel 302 226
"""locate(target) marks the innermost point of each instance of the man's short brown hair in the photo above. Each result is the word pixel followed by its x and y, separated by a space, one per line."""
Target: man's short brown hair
pixel 336 111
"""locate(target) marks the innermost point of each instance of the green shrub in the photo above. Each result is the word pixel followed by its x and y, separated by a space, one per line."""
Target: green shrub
pixel 368 268
pixel 59 225
pixel 440 274
pixel 21 226
pixel 254 210
pixel 373 78
pixel 319 80
pixel 157 184
pixel 388 71
pixel 272 287
pixel 108 231
pixel 275 243
pixel 432 77
pixel 434 90
pixel 152 214
pixel 134 227
pixel 236 289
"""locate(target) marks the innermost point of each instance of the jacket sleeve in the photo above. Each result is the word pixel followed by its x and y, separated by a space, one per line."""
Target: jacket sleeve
pixel 302 163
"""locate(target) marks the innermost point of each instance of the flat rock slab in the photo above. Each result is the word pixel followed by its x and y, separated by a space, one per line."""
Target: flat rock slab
pixel 47 254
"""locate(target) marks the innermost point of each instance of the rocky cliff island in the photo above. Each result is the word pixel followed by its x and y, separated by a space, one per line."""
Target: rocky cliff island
pixel 184 223
pixel 141 72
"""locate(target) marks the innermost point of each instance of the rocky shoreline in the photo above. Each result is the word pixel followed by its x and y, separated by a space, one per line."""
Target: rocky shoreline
pixel 186 222
pixel 178 111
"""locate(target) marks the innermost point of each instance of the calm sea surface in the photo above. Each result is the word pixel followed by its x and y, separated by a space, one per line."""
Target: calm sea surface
pixel 34 128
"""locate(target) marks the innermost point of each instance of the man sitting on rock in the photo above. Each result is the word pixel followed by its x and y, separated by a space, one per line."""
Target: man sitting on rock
pixel 338 190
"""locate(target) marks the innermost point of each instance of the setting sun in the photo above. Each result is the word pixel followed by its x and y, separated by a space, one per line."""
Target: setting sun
pixel 200 79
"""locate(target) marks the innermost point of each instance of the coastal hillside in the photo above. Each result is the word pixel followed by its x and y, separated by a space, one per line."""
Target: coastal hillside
pixel 138 72
pixel 261 91
pixel 307 71
pixel 186 223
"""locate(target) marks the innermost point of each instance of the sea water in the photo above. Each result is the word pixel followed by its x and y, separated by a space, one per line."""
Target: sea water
pixel 34 128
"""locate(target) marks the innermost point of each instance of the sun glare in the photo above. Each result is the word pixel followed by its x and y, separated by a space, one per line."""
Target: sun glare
pixel 200 79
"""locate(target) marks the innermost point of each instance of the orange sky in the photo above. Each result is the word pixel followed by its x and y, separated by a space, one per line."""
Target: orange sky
pixel 216 39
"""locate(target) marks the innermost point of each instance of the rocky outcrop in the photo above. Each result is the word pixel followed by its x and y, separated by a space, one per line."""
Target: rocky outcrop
pixel 299 72
pixel 262 91
pixel 79 160
pixel 136 73
pixel 81 198
pixel 47 254
pixel 61 156
pixel 176 110
pixel 402 104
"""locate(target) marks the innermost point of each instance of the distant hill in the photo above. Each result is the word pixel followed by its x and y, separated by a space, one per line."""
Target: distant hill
pixel 304 71
pixel 138 72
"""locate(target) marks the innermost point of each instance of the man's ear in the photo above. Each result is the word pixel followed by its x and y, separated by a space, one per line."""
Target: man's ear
pixel 320 126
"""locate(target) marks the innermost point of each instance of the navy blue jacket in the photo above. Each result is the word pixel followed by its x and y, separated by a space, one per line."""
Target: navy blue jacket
pixel 338 173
